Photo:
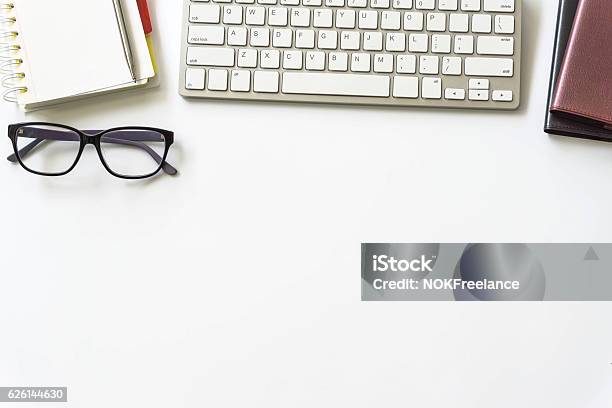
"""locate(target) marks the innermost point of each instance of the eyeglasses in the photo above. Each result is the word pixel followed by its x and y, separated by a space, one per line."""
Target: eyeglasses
pixel 49 149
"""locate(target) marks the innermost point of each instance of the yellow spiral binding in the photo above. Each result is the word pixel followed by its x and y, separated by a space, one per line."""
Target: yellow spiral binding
pixel 10 95
pixel 8 67
pixel 8 51
pixel 12 80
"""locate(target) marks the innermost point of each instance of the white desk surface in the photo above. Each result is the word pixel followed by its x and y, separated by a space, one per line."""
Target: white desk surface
pixel 237 284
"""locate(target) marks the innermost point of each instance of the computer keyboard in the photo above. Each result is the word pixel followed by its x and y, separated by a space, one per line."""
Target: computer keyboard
pixel 435 53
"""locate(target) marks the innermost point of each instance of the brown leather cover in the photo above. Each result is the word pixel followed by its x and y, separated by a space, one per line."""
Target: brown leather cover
pixel 584 87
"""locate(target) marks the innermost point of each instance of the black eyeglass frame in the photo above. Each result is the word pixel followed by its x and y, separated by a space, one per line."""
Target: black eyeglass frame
pixel 94 137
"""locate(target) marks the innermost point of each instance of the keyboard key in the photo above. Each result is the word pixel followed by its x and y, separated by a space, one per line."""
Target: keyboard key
pixel 436 22
pixel 478 95
pixel 304 39
pixel 212 35
pixel 204 13
pixel 425 4
pixel 493 45
pixel 413 21
pixel 282 38
pixel 448 5
pixel 395 42
pixel 210 56
pixel 300 17
pixel 502 96
pixel 269 59
pixel 504 24
pixel 383 63
pixel 481 23
pixel 260 37
pixel 406 64
pixel 405 87
pixel 391 20
pixel 292 59
pixel 431 88
pixel 464 44
pixel 429 65
pixel 336 84
pixel 327 40
pixel 277 16
pixel 470 5
pixel 241 81
pixel 418 43
pixel 194 78
pixel 451 65
pixel 255 15
pixel 368 19
pixel 232 15
pixel 502 6
pixel 360 62
pixel 454 94
pixel 402 4
pixel 372 41
pixel 379 3
pixel 265 81
pixel 345 18
pixel 237 36
pixel 217 80
pixel 459 23
pixel 441 44
pixel 322 18
pixel 357 3
pixel 338 61
pixel 315 60
pixel 494 67
pixel 247 58
pixel 350 40
pixel 479 84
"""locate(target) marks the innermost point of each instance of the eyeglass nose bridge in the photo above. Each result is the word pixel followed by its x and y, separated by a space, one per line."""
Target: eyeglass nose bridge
pixel 89 140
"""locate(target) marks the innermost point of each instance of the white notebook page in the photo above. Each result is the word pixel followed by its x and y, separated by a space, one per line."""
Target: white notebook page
pixel 71 47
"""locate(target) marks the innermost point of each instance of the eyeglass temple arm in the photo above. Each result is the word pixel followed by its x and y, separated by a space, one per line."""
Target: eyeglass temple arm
pixel 131 140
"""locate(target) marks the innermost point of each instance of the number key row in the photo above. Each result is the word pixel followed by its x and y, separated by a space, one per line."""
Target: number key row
pixel 499 6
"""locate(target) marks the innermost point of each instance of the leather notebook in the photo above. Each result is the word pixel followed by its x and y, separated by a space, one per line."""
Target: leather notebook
pixel 558 122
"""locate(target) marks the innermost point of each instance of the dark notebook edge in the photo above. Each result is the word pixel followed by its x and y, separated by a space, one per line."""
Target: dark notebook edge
pixel 554 68
pixel 559 124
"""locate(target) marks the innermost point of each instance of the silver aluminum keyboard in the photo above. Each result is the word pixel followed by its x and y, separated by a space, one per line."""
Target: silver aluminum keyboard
pixel 435 53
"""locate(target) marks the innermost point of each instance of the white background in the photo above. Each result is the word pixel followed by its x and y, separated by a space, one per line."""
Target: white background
pixel 237 283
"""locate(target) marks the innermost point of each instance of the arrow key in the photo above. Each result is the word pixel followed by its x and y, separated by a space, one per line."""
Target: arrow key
pixel 502 96
pixel 479 95
pixel 454 94
pixel 479 84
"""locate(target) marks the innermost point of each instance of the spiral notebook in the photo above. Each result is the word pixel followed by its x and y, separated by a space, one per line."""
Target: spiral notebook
pixel 55 51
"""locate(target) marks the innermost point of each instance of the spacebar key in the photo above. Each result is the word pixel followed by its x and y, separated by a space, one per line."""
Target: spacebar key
pixel 336 84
